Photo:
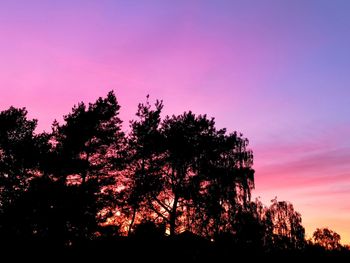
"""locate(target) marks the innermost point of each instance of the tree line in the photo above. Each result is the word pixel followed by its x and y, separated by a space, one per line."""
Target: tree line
pixel 89 180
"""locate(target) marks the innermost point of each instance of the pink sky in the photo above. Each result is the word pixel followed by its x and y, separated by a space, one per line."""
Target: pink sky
pixel 278 71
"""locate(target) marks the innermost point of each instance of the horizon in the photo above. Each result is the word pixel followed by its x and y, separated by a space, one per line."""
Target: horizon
pixel 276 72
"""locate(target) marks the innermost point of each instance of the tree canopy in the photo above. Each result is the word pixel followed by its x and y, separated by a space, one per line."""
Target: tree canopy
pixel 327 238
pixel 177 176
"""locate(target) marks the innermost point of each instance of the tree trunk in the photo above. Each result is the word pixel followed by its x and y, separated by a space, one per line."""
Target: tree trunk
pixel 132 221
pixel 85 172
pixel 173 215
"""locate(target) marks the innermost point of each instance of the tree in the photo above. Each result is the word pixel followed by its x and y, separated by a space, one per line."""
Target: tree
pixel 89 150
pixel 86 180
pixel 327 238
pixel 250 226
pixel 89 139
pixel 229 179
pixel 143 179
pixel 180 162
pixel 183 141
pixel 18 155
pixel 284 226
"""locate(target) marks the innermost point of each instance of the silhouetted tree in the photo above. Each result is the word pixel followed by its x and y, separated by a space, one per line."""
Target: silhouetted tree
pixel 86 183
pixel 327 238
pixel 90 147
pixel 183 137
pixel 250 226
pixel 284 226
pixel 18 155
pixel 229 181
pixel 89 138
pixel 144 180
pixel 181 161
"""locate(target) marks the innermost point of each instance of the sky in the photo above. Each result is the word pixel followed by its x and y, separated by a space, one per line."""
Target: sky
pixel 277 71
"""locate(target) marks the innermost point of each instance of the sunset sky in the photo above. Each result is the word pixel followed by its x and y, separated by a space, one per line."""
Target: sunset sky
pixel 277 71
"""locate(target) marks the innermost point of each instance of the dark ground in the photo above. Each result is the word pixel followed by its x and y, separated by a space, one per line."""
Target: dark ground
pixel 132 250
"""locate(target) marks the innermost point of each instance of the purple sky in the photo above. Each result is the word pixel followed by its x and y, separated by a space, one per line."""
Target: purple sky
pixel 278 71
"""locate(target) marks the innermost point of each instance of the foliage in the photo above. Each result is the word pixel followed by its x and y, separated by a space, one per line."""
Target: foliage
pixel 19 153
pixel 327 238
pixel 87 180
